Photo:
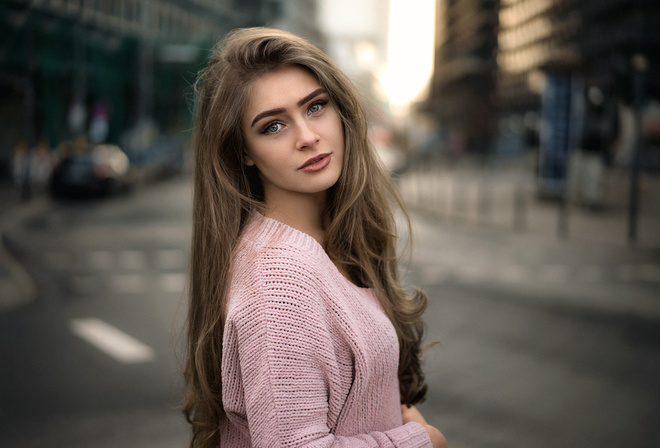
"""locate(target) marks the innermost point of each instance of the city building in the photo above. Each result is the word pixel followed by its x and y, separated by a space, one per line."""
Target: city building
pixel 594 39
pixel 300 17
pixel 357 40
pixel 463 81
pixel 118 71
pixel 551 74
pixel 582 68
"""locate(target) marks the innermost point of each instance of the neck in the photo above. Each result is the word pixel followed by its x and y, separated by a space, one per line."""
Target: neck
pixel 304 212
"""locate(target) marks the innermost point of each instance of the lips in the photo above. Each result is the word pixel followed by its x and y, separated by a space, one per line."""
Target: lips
pixel 316 163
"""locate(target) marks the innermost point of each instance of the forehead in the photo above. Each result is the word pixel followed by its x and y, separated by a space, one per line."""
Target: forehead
pixel 282 88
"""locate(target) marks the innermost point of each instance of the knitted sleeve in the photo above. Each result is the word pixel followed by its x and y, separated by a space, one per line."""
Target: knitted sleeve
pixel 279 365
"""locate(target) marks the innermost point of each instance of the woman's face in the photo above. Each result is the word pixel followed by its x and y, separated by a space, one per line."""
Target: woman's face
pixel 293 135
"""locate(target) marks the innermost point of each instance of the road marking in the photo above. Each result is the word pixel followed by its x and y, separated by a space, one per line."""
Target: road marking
pixel 132 260
pixel 128 284
pixel 171 259
pixel 112 341
pixel 102 260
pixel 173 282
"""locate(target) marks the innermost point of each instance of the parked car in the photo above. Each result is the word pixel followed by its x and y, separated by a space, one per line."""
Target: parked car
pixel 102 170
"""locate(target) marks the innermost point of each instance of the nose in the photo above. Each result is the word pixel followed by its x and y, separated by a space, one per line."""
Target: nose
pixel 307 136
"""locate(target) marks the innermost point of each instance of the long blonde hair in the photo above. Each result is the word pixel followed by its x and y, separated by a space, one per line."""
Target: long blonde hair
pixel 360 235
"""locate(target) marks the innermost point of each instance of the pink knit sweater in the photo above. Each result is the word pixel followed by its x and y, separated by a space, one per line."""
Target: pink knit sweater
pixel 309 359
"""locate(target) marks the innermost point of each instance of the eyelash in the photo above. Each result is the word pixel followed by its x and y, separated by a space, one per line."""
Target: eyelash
pixel 321 103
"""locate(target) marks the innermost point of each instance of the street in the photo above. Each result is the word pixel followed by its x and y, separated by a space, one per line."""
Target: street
pixel 543 342
pixel 122 261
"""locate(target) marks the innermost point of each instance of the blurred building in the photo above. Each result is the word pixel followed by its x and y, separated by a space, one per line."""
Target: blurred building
pixel 504 69
pixel 465 68
pixel 104 69
pixel 296 16
pixel 357 41
pixel 581 67
pixel 594 39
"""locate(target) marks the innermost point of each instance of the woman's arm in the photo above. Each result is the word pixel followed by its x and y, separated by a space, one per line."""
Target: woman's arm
pixel 280 372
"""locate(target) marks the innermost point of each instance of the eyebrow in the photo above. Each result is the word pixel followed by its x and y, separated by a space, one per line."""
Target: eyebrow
pixel 271 112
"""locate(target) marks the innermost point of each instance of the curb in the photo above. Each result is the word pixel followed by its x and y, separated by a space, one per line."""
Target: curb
pixel 16 286
pixel 566 290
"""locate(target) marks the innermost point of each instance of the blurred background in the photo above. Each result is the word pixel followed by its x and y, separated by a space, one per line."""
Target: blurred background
pixel 524 136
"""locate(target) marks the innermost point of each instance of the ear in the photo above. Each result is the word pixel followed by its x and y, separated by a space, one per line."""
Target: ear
pixel 247 159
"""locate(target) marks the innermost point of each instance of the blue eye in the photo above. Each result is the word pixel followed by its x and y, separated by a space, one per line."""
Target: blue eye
pixel 317 107
pixel 272 128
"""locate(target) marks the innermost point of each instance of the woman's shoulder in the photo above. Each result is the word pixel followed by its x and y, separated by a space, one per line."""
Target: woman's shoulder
pixel 275 260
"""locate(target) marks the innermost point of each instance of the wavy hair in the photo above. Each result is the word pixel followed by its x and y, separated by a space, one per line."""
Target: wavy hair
pixel 360 235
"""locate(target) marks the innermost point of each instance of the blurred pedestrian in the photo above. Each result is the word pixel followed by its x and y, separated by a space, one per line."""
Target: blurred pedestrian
pixel 41 166
pixel 19 168
pixel 299 332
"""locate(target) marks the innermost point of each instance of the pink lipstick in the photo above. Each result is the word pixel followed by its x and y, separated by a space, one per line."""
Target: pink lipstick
pixel 316 163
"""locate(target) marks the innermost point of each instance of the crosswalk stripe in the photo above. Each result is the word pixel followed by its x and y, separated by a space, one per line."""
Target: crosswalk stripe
pixel 173 282
pixel 103 260
pixel 132 260
pixel 170 259
pixel 128 283
pixel 111 340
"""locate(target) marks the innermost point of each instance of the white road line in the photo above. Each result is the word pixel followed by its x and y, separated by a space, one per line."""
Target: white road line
pixel 111 340
pixel 128 284
pixel 171 259
pixel 173 282
pixel 102 260
pixel 132 260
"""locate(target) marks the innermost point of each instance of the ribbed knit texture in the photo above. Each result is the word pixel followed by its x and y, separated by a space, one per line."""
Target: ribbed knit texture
pixel 309 359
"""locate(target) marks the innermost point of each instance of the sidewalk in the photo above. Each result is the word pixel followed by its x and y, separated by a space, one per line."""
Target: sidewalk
pixel 504 195
pixel 498 235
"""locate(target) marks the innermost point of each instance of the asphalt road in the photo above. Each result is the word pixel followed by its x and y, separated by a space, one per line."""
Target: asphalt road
pixel 544 343
pixel 99 266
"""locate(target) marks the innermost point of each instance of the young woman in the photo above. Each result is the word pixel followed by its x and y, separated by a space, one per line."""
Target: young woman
pixel 299 332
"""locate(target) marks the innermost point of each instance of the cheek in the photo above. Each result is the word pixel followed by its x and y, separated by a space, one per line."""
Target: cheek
pixel 267 156
pixel 336 130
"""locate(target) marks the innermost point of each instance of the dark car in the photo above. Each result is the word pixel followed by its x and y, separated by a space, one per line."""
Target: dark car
pixel 102 170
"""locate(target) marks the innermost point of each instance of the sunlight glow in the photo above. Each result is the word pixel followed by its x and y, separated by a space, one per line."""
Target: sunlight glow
pixel 410 53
